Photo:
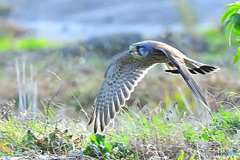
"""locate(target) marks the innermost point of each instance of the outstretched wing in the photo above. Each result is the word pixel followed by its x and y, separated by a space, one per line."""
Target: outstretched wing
pixel 178 62
pixel 121 77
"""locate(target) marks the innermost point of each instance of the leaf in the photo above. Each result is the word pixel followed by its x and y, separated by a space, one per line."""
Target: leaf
pixel 237 56
pixel 205 137
pixel 108 146
pixel 5 148
pixel 132 155
pixel 229 13
pixel 29 124
pixel 100 138
pixel 235 18
pixel 236 29
pixel 238 41
pixel 232 5
pixel 93 139
pixel 228 31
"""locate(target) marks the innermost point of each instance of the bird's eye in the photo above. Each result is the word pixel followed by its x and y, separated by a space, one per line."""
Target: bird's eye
pixel 141 51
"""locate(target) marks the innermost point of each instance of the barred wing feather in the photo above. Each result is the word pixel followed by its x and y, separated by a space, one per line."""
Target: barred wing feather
pixel 121 77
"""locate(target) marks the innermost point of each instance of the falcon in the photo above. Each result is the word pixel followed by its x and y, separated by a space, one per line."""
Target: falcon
pixel 129 67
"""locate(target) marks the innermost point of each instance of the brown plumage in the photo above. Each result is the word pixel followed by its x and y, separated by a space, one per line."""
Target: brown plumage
pixel 128 68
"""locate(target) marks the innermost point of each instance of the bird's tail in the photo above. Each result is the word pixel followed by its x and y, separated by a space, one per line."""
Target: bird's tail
pixel 193 66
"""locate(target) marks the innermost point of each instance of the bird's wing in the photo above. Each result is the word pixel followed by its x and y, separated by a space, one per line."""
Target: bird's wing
pixel 176 59
pixel 121 77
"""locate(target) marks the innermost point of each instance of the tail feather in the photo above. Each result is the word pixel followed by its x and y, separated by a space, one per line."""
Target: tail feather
pixel 193 66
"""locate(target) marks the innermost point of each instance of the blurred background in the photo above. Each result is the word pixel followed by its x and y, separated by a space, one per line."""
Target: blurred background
pixel 59 50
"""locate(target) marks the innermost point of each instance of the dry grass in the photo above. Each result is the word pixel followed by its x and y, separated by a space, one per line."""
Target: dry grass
pixel 148 133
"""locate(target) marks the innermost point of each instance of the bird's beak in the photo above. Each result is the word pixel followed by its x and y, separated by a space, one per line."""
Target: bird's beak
pixel 132 49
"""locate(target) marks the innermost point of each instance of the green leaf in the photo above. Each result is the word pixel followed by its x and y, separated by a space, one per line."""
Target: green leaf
pixel 131 156
pixel 100 138
pixel 237 56
pixel 232 5
pixel 108 146
pixel 229 13
pixel 228 31
pixel 29 124
pixel 235 18
pixel 93 139
pixel 205 137
pixel 236 29
pixel 238 41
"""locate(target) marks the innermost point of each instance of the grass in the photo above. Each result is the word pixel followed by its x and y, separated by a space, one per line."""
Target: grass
pixel 141 135
pixel 8 43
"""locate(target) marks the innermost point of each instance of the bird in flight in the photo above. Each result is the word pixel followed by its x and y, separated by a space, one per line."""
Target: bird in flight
pixel 129 67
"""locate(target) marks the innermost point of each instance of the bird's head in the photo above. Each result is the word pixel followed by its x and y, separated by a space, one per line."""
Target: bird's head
pixel 140 49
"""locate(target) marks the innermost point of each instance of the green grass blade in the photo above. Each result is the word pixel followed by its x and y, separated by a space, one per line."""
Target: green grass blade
pixel 194 154
pixel 181 155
